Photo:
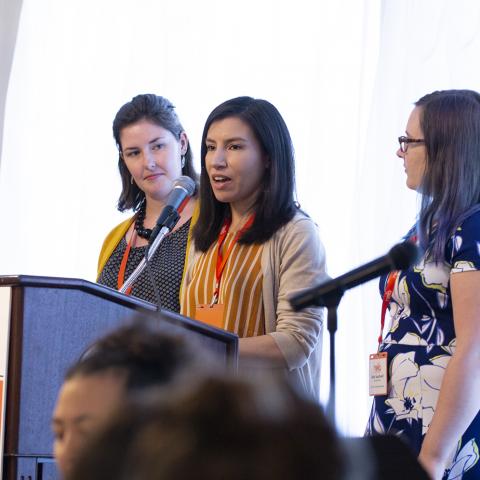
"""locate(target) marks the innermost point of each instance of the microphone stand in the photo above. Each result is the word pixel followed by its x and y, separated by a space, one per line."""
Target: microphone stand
pixel 169 223
pixel 331 301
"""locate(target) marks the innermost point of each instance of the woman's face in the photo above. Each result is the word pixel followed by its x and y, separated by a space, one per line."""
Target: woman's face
pixel 415 158
pixel 152 155
pixel 235 163
pixel 84 405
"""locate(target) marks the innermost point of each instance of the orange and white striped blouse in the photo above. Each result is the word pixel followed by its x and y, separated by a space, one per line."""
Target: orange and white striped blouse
pixel 240 287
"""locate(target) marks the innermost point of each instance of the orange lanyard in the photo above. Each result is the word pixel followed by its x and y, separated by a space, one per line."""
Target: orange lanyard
pixel 222 259
pixel 123 264
pixel 387 297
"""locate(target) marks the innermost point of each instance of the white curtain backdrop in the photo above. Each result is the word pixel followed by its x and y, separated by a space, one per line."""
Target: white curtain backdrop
pixel 343 73
pixel 9 15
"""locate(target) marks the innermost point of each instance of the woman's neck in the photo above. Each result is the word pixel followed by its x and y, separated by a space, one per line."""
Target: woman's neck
pixel 239 217
pixel 152 211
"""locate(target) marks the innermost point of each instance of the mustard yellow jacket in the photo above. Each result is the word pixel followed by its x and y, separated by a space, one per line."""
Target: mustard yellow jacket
pixel 113 239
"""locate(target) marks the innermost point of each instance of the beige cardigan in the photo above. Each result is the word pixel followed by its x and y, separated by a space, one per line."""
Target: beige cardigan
pixel 292 261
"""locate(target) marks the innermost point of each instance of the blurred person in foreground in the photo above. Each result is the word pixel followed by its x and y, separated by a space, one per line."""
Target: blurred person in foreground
pixel 122 363
pixel 217 429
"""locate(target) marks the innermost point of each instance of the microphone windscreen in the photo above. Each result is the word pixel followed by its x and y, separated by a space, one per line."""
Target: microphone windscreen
pixel 403 255
pixel 186 183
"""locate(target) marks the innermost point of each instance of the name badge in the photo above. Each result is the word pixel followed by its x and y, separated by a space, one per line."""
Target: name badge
pixel 377 373
pixel 210 314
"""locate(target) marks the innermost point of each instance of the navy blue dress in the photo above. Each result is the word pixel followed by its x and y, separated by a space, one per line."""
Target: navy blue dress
pixel 420 343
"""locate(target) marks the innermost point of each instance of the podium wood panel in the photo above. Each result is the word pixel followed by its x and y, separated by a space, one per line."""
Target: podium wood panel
pixel 52 321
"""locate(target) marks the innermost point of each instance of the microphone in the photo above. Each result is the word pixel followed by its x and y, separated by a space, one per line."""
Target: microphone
pixel 183 189
pixel 400 257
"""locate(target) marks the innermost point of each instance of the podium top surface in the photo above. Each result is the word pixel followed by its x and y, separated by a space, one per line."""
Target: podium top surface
pixel 108 294
pixel 74 284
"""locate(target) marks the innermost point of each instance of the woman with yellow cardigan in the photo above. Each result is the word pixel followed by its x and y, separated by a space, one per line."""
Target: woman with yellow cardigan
pixel 153 152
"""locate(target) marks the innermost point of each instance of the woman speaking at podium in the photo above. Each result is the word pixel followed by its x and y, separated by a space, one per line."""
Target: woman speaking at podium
pixel 153 151
pixel 433 343
pixel 252 246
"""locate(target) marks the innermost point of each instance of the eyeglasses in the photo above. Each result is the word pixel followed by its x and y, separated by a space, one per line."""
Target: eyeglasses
pixel 404 141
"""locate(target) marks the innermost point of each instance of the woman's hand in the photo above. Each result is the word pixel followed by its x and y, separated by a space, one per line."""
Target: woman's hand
pixel 262 348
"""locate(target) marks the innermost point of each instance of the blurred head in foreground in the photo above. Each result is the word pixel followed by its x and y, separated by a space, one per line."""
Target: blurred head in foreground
pixel 218 428
pixel 122 363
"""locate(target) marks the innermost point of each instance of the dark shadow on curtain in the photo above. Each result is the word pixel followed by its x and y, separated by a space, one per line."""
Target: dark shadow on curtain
pixel 9 18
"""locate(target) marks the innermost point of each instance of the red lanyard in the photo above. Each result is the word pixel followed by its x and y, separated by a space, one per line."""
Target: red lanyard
pixel 123 264
pixel 222 259
pixel 387 297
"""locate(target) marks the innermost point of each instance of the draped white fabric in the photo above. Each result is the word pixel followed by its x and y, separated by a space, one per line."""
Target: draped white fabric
pixel 343 73
pixel 9 15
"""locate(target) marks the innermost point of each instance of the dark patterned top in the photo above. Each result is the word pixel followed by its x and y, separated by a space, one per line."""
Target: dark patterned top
pixel 420 342
pixel 166 267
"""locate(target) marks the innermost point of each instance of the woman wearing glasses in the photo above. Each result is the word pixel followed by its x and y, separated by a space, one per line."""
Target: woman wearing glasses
pixel 433 344
pixel 153 151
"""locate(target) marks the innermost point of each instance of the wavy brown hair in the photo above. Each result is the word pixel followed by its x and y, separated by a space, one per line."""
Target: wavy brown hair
pixel 450 189
pixel 160 111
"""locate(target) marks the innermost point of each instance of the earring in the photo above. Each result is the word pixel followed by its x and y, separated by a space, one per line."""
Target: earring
pixel 131 179
pixel 182 161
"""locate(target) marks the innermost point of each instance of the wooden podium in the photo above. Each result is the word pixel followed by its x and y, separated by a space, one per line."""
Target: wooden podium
pixel 45 325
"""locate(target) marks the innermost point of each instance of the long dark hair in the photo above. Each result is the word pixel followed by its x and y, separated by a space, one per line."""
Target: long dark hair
pixel 275 205
pixel 157 110
pixel 450 121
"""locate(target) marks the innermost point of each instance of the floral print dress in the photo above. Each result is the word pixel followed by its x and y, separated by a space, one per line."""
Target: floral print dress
pixel 420 343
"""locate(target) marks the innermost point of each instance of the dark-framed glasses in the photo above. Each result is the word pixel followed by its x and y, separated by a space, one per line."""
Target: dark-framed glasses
pixel 405 141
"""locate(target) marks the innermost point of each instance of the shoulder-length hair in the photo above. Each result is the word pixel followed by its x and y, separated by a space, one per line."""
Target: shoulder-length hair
pixel 161 112
pixel 274 205
pixel 450 189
